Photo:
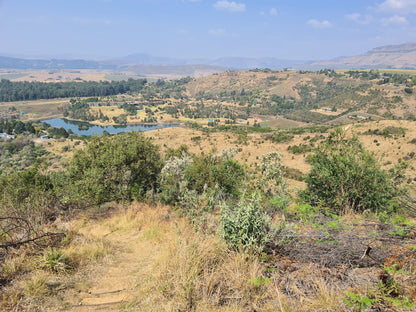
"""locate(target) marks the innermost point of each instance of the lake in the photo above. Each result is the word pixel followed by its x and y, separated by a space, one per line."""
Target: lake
pixel 85 128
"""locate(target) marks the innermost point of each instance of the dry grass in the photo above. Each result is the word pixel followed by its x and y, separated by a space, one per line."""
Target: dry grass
pixel 249 81
pixel 162 264
pixel 35 110
pixel 62 75
pixel 146 258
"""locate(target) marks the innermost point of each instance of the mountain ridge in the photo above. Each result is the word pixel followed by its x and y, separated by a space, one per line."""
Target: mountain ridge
pixel 402 56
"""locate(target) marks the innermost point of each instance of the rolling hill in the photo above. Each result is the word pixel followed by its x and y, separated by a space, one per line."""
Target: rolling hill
pixel 401 56
pixel 29 64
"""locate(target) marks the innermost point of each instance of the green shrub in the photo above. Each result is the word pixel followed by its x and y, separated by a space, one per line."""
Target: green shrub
pixel 55 261
pixel 215 170
pixel 117 168
pixel 171 179
pixel 246 226
pixel 345 176
pixel 281 137
pixel 28 194
pixel 271 184
pixel 299 149
pixel 388 132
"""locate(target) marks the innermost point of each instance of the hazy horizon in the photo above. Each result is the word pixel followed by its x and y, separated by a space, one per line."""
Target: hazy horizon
pixel 192 29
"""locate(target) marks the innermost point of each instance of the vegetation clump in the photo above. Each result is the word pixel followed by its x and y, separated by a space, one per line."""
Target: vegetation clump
pixel 388 132
pixel 344 176
pixel 118 168
pixel 246 226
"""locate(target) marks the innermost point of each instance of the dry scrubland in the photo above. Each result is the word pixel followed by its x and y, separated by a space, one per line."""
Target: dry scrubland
pixel 387 149
pixel 146 258
pixel 54 75
pixel 149 258
pixel 95 75
pixel 152 257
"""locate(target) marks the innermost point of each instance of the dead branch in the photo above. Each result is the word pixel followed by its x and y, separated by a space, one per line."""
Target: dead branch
pixel 33 240
pixel 18 231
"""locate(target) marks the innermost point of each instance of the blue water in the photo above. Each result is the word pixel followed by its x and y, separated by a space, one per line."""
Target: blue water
pixel 80 128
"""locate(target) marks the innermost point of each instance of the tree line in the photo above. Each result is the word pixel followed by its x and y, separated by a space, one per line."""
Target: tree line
pixel 23 90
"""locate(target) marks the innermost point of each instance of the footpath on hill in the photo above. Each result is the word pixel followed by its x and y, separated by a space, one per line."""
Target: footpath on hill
pixel 113 282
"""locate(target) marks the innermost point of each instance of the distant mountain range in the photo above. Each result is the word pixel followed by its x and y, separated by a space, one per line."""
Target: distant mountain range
pixel 26 64
pixel 144 61
pixel 401 56
pixel 227 62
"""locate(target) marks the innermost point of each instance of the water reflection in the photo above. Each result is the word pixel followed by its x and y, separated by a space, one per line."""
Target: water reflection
pixel 85 128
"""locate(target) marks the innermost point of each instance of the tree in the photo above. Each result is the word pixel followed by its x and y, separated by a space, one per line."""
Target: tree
pixel 211 170
pixel 117 168
pixel 344 176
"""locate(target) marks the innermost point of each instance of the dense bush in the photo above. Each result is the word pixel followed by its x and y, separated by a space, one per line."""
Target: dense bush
pixel 281 137
pixel 115 168
pixel 57 133
pixel 28 194
pixel 246 226
pixel 199 174
pixel 388 132
pixel 211 170
pixel 344 176
pixel 171 180
pixel 272 184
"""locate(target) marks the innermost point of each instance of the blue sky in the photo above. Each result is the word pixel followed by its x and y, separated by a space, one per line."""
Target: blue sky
pixel 303 29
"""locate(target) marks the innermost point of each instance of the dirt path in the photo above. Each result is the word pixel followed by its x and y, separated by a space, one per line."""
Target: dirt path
pixel 113 284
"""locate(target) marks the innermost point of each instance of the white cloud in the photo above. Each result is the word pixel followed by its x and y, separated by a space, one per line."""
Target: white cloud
pixel 319 24
pixel 217 32
pixel 405 6
pixel 359 19
pixel 230 6
pixel 395 20
pixel 273 11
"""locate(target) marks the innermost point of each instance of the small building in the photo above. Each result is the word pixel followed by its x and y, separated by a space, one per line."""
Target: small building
pixel 6 136
pixel 44 137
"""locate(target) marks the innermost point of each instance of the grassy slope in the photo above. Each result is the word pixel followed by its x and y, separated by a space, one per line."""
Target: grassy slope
pixel 145 258
pixel 388 149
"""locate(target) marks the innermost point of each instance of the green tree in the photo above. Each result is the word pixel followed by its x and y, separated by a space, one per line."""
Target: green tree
pixel 29 195
pixel 117 168
pixel 344 176
pixel 211 170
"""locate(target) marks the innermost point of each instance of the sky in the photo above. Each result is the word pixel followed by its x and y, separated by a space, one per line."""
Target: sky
pixel 286 29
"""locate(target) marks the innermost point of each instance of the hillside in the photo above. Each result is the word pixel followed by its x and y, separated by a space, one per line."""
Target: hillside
pixel 152 257
pixel 312 97
pixel 401 56
pixel 255 201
